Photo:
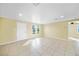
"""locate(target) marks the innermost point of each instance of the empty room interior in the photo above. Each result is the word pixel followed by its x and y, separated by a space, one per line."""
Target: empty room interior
pixel 39 29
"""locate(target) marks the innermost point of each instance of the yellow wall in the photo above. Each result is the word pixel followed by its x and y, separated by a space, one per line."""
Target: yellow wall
pixel 56 30
pixel 7 30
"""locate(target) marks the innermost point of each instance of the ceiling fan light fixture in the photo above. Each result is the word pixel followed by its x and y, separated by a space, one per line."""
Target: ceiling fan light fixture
pixel 35 4
pixel 20 14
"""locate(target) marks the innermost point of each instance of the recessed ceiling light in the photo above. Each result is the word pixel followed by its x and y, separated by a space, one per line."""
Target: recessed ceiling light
pixel 74 18
pixel 62 16
pixel 35 4
pixel 20 14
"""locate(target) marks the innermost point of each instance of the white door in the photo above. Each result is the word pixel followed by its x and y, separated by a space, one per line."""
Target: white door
pixel 21 31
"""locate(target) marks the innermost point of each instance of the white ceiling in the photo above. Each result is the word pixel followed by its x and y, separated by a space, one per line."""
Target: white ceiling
pixel 43 13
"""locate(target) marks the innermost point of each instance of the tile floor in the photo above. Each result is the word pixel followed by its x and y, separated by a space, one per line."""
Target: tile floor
pixel 41 47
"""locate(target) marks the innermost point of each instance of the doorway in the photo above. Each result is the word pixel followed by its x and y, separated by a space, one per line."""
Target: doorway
pixel 21 31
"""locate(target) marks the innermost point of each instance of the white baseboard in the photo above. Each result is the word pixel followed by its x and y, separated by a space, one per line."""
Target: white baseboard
pixel 13 41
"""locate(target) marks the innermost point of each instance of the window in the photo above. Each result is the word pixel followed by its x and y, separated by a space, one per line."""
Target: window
pixel 35 29
pixel 77 27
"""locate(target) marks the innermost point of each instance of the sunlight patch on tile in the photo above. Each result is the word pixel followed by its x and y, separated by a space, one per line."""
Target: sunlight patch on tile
pixel 72 38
